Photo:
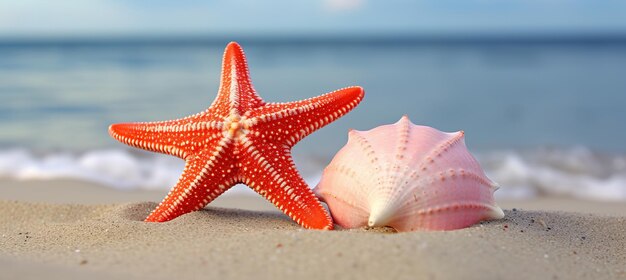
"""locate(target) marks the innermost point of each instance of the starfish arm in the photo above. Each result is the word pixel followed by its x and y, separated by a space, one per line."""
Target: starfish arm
pixel 290 122
pixel 205 177
pixel 272 174
pixel 236 93
pixel 168 137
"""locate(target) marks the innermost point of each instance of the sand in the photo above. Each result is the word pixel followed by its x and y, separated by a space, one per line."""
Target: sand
pixel 51 236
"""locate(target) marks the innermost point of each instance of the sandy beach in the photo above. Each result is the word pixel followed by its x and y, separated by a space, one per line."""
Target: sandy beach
pixel 73 229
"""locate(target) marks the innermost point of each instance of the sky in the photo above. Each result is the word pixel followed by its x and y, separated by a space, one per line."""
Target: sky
pixel 32 18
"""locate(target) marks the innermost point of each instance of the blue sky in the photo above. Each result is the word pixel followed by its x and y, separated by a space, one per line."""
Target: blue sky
pixel 118 17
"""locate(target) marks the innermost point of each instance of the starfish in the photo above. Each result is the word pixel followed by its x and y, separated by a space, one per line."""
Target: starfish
pixel 241 139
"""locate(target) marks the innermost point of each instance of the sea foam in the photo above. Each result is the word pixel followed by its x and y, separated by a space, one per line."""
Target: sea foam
pixel 575 172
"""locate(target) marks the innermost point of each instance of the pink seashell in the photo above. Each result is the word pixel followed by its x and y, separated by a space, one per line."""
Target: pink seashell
pixel 408 177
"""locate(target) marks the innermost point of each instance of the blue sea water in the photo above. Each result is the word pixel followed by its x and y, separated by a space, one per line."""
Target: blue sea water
pixel 536 113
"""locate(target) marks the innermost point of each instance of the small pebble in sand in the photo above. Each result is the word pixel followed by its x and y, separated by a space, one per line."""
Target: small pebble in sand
pixel 543 223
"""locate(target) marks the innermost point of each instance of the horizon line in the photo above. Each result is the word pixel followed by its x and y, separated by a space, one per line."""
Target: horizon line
pixel 376 38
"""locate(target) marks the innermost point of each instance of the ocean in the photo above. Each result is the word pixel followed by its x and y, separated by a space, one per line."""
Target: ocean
pixel 544 117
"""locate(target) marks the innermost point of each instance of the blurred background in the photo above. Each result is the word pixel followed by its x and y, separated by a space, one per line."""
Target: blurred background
pixel 539 87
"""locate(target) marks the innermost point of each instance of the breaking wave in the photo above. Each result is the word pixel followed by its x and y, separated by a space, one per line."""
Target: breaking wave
pixel 575 172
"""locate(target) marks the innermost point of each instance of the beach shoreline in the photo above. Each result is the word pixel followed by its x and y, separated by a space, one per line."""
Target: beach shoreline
pixel 68 191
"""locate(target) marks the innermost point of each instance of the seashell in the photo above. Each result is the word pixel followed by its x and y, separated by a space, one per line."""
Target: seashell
pixel 408 177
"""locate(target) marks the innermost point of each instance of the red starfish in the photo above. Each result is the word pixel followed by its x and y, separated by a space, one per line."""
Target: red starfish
pixel 241 139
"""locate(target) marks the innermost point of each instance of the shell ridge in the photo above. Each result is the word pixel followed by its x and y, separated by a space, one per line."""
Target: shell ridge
pixel 459 174
pixel 480 178
pixel 440 149
pixel 344 201
pixel 467 204
pixel 404 130
pixel 350 173
pixel 457 207
pixel 481 174
pixel 341 171
pixel 371 154
pixel 369 149
pixel 487 211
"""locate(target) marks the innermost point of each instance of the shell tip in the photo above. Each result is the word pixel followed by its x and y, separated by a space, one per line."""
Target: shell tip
pixel 380 215
pixel 352 132
pixel 494 212
pixel 497 213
